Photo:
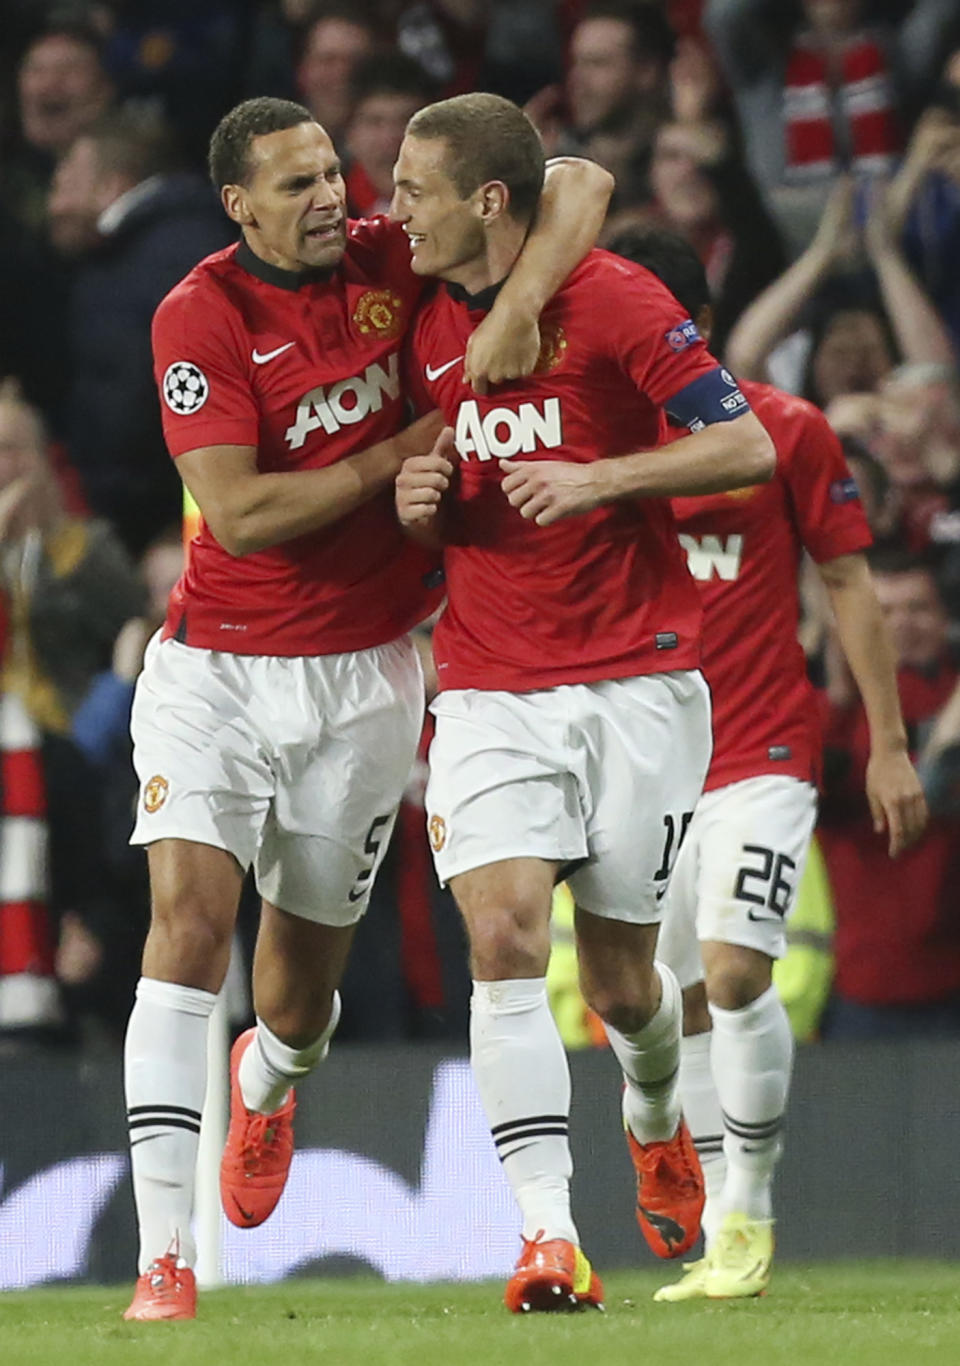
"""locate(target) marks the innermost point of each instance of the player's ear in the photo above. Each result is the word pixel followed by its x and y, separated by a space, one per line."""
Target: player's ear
pixel 234 200
pixel 492 200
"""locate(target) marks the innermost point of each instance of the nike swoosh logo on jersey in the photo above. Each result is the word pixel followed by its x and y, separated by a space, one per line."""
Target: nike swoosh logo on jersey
pixel 432 374
pixel 259 359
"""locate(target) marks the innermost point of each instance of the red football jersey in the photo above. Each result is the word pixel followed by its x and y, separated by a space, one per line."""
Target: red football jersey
pixel 597 596
pixel 744 550
pixel 308 372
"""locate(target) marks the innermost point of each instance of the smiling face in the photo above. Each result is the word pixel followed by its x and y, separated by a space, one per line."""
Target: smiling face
pixel 292 205
pixel 446 232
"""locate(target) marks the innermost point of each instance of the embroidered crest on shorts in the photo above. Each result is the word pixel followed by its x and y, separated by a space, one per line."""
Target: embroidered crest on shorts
pixel 155 792
pixel 437 828
pixel 379 311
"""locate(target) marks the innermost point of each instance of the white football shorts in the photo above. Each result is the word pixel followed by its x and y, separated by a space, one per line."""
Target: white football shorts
pixel 596 774
pixel 739 866
pixel 296 765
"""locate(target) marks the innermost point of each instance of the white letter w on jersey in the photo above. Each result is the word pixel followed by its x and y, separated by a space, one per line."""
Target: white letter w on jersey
pixel 346 402
pixel 502 432
pixel 708 555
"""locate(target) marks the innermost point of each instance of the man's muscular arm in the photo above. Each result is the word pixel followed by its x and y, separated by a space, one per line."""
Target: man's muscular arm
pixel 248 510
pixel 723 455
pixel 573 205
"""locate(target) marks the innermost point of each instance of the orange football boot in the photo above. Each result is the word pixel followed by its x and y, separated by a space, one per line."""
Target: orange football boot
pixel 552 1276
pixel 670 1194
pixel 164 1291
pixel 257 1153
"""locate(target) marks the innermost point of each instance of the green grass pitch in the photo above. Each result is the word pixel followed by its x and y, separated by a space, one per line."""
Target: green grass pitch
pixel 847 1314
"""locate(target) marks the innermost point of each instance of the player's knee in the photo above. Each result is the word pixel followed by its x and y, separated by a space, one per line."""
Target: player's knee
pixel 627 1004
pixel 188 943
pixel 736 976
pixel 505 944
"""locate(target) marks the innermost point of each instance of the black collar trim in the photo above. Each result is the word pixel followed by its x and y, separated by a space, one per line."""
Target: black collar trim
pixel 482 302
pixel 275 275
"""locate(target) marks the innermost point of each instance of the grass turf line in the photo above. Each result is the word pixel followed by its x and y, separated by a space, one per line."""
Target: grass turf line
pixel 853 1314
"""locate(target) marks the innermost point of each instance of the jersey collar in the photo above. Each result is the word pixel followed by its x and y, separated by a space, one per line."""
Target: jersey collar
pixel 275 275
pixel 481 302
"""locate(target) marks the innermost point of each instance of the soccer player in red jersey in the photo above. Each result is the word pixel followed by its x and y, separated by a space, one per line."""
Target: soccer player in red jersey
pixel 744 851
pixel 277 717
pixel 572 723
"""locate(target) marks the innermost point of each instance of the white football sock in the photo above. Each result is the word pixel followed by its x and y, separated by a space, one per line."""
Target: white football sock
pixel 521 1071
pixel 752 1057
pixel 701 1109
pixel 165 1076
pixel 269 1067
pixel 650 1059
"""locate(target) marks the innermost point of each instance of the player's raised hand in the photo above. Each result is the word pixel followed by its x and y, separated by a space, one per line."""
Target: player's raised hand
pixel 423 480
pixel 897 803
pixel 544 491
pixel 505 346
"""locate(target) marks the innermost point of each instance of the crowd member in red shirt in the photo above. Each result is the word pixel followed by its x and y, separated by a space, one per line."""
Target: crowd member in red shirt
pixel 744 850
pixel 277 717
pixel 572 720
pixel 897 938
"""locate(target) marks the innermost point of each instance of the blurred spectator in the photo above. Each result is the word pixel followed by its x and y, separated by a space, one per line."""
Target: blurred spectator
pixel 824 97
pixel 67 587
pixel 925 199
pixel 447 38
pixel 897 939
pixel 857 321
pixel 182 60
pixel 62 89
pixel 136 225
pixel 703 191
pixel 616 93
pixel 336 38
pixel 68 581
pixel 387 90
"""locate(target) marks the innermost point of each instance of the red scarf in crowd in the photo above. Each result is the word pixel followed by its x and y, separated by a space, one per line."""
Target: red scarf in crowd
pixel 859 98
pixel 28 988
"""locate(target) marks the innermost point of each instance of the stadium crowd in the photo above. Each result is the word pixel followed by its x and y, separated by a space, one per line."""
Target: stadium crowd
pixel 810 154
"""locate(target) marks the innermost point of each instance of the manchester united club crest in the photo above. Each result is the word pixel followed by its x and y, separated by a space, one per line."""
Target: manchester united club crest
pixel 155 792
pixel 553 343
pixel 437 829
pixel 379 312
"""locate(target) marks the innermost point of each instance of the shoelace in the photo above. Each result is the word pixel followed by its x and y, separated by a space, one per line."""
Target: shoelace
pixel 677 1161
pixel 261 1133
pixel 529 1246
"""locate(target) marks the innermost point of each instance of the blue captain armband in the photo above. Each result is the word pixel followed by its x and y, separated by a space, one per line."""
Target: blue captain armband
pixel 715 397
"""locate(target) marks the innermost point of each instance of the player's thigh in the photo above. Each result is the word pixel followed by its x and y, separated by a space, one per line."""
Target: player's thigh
pixel 752 848
pixel 341 768
pixel 200 761
pixel 500 786
pixel 678 944
pixel 649 750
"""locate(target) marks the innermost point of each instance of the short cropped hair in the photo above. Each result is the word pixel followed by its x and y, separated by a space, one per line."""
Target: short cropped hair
pixel 229 155
pixel 488 138
pixel 672 259
pixel 651 34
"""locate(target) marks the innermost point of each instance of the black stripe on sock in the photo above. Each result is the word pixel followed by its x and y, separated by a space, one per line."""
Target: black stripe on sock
pixel 172 1123
pixel 554 1131
pixel 162 1110
pixel 529 1119
pixel 658 1083
pixel 754 1132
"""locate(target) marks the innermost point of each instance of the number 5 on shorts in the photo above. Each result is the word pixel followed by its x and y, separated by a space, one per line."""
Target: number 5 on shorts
pixel 371 846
